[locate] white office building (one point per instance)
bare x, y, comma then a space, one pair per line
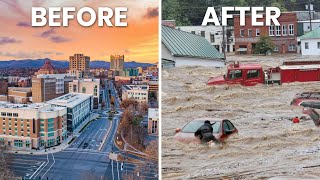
86, 86
137, 92
79, 107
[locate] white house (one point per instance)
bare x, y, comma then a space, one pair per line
310, 43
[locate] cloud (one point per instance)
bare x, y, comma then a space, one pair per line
8, 40
152, 12
59, 53
47, 33
59, 39
24, 24
21, 54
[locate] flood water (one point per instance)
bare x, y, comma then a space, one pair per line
267, 146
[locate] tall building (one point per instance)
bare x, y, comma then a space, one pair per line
79, 107
87, 86
47, 68
32, 126
79, 65
49, 86
19, 95
117, 62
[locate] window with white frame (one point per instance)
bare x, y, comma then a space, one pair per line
318, 45
306, 45
278, 30
292, 47
284, 30
276, 48
291, 29
249, 33
257, 32
241, 32
271, 30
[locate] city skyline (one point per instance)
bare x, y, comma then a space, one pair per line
138, 41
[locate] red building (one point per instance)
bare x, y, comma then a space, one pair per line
284, 37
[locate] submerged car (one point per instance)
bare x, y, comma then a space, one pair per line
313, 115
307, 99
222, 129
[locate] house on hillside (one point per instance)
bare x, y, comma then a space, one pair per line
310, 43
180, 48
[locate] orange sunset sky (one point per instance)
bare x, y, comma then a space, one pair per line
138, 41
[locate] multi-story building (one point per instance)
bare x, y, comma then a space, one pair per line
32, 126
19, 95
140, 70
214, 35
79, 107
87, 86
48, 86
284, 37
131, 72
79, 65
4, 86
137, 92
47, 68
116, 62
153, 89
153, 118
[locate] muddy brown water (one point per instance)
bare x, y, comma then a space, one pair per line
268, 145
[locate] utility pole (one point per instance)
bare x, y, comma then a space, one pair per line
310, 8
223, 34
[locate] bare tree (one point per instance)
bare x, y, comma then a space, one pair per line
5, 158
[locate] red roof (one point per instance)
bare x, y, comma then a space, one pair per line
47, 66
245, 66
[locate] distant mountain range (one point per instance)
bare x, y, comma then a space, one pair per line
38, 63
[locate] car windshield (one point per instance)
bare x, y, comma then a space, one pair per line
193, 126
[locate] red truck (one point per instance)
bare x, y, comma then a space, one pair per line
253, 74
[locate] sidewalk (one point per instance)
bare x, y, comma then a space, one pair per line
60, 147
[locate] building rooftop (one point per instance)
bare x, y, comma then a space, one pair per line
47, 66
43, 107
153, 113
53, 75
136, 87
69, 100
20, 89
315, 34
185, 44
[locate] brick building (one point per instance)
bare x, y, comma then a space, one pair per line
284, 37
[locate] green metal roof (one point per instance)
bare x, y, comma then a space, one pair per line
315, 34
182, 43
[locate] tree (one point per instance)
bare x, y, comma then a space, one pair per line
5, 158
263, 45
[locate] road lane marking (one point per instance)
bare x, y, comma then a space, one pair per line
112, 169
54, 161
118, 170
36, 170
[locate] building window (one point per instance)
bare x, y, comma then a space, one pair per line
284, 30
203, 34
292, 47
291, 29
306, 45
271, 30
83, 89
318, 45
242, 32
3, 114
249, 33
212, 38
278, 30
193, 32
257, 32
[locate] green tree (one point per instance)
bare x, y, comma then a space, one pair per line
264, 45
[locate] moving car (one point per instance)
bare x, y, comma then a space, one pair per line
222, 129
307, 99
313, 114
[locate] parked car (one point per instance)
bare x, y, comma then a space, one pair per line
222, 129
313, 115
307, 99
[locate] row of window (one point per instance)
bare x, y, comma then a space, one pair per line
306, 45
9, 114
283, 30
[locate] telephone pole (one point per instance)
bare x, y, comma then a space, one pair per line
310, 8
